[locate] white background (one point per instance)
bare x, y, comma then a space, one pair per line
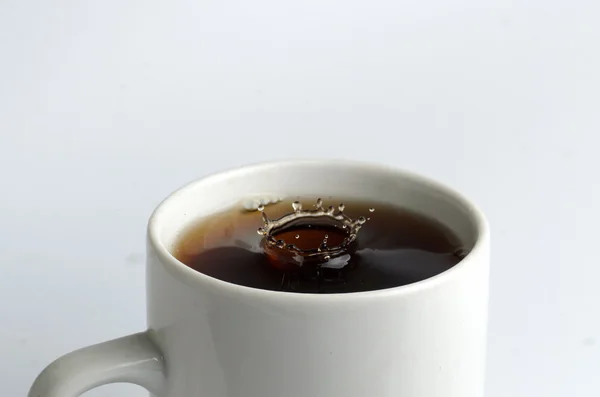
108, 106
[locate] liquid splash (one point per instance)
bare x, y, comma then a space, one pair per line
332, 217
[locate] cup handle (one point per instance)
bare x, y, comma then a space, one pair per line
132, 359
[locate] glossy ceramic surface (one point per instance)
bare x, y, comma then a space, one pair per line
209, 338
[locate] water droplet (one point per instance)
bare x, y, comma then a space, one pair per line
261, 231
260, 207
341, 207
297, 236
330, 209
326, 236
361, 220
327, 258
368, 219
319, 203
460, 253
297, 206
280, 243
371, 209
344, 226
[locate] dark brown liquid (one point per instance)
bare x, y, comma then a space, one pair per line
394, 247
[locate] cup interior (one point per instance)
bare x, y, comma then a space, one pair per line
349, 180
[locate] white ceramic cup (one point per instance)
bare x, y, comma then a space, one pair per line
210, 338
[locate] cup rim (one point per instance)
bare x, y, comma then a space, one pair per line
199, 280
